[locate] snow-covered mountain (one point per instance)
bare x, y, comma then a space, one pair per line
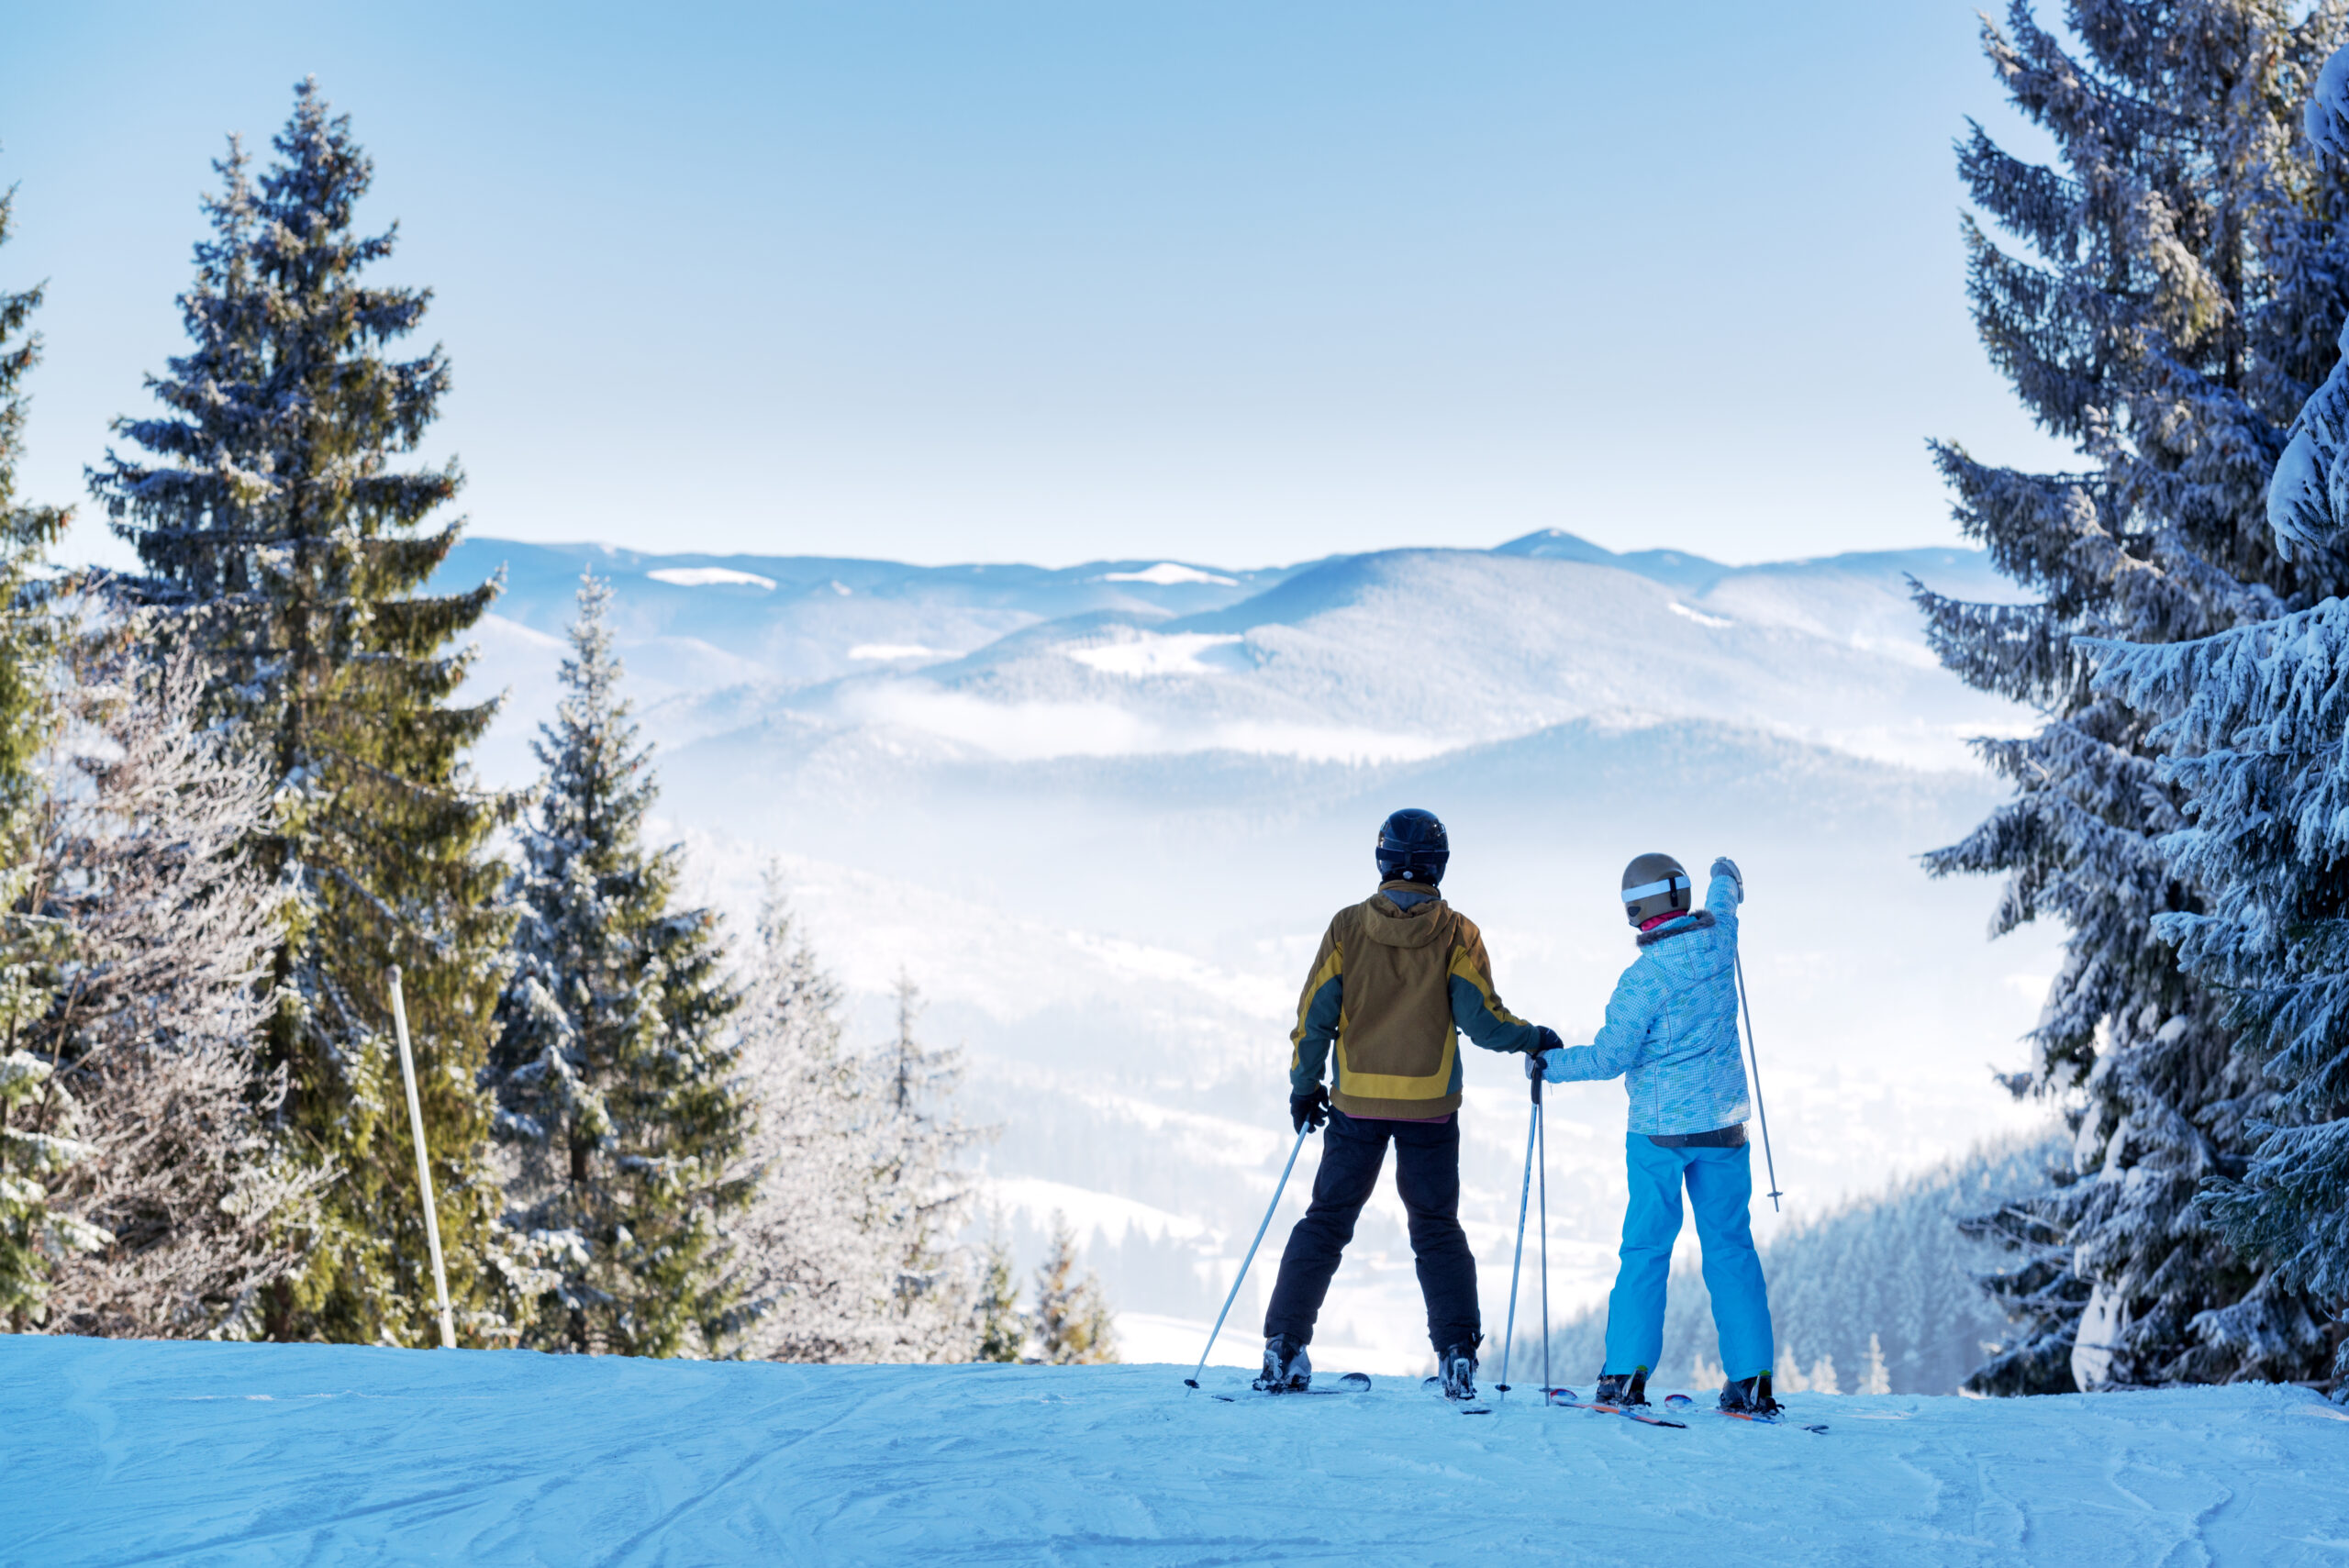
1101, 814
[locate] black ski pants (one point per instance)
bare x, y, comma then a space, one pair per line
1427, 1173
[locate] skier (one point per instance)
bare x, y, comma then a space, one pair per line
1395, 978
1671, 1033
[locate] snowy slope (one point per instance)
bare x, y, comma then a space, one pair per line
123, 1452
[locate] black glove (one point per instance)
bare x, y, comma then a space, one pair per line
1545, 1041
1724, 866
1313, 1108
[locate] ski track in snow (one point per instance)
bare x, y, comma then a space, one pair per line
121, 1453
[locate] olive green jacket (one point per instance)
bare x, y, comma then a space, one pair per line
1391, 990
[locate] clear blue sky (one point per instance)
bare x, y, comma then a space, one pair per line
997, 280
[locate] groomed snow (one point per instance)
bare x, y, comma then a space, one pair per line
122, 1452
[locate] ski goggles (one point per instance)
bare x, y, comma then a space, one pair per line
1649, 890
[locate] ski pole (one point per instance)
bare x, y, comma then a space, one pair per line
1193, 1381
1762, 1111
1543, 1141
1516, 1260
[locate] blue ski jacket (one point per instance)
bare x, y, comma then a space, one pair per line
1671, 1030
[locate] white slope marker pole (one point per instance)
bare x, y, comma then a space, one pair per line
1193, 1381
423, 1167
1771, 1164
1517, 1260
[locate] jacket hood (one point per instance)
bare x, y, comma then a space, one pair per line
1689, 949
1412, 927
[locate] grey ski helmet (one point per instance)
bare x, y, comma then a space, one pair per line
1653, 886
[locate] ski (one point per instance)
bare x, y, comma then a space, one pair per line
1682, 1401
1465, 1406
1352, 1383
1567, 1397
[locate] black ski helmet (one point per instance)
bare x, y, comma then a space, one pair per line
1412, 847
1653, 886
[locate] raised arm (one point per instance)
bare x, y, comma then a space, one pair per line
1724, 893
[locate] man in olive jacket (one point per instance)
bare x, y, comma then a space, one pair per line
1397, 979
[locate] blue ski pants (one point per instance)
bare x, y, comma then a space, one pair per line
1720, 1185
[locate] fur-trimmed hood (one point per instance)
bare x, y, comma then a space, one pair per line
1679, 926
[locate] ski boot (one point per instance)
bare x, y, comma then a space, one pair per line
1750, 1397
1625, 1390
1287, 1369
1459, 1366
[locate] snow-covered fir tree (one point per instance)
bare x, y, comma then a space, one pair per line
2254, 719
616, 1063
810, 1284
2257, 715
846, 1252
282, 537
1876, 1378
918, 1195
33, 1233
2178, 277
1001, 1330
1073, 1319
152, 1024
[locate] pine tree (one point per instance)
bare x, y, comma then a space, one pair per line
918, 1193
616, 1064
808, 1281
2258, 715
33, 1233
1075, 1326
2254, 718
1875, 1376
1001, 1331
281, 539
152, 1027
2181, 278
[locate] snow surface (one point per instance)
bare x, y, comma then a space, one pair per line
121, 1453
711, 577
894, 651
1165, 575
1147, 654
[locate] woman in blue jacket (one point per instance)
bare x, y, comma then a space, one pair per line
1671, 1035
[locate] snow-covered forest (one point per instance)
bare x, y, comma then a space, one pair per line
243, 782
